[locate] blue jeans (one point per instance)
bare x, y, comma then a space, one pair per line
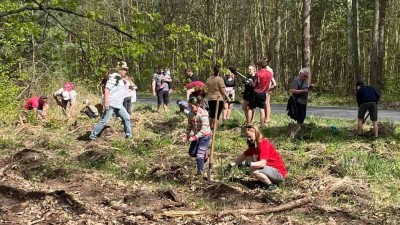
107, 114
198, 149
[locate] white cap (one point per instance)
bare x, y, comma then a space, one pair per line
65, 95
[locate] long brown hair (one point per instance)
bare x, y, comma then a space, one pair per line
259, 135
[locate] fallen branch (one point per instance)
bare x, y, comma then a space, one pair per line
184, 213
291, 205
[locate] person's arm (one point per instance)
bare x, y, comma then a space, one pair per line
259, 164
221, 87
106, 99
205, 124
358, 95
272, 84
240, 159
153, 87
294, 88
188, 93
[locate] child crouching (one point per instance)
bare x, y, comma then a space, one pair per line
199, 124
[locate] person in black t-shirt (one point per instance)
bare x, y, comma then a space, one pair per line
230, 86
191, 76
248, 92
367, 100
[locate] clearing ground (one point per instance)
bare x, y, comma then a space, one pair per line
51, 174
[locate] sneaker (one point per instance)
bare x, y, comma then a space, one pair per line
128, 136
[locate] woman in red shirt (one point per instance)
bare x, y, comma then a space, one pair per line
263, 160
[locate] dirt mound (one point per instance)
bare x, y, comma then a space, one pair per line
29, 162
95, 158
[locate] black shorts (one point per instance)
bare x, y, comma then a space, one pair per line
248, 96
258, 100
163, 97
213, 106
64, 103
371, 107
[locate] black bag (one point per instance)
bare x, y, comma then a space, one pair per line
291, 108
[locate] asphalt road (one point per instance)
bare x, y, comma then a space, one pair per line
327, 112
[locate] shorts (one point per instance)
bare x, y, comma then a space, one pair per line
258, 100
231, 95
213, 106
248, 96
273, 174
163, 97
371, 107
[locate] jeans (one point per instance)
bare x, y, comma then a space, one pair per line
107, 114
198, 149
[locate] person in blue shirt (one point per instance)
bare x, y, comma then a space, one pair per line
367, 100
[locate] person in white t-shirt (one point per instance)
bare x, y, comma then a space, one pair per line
66, 96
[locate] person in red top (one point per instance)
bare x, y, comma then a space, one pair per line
37, 104
264, 161
261, 89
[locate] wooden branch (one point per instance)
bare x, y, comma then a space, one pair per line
41, 7
184, 213
284, 207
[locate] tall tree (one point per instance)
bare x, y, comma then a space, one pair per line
374, 41
355, 40
350, 52
382, 51
306, 61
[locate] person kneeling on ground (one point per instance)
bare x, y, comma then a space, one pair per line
367, 100
90, 110
198, 123
66, 96
39, 105
264, 161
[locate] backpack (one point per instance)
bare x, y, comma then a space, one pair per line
291, 108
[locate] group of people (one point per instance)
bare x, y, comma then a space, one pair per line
261, 157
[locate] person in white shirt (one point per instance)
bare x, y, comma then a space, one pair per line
66, 96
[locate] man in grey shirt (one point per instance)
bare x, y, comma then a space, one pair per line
299, 89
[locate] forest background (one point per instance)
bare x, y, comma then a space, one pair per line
45, 43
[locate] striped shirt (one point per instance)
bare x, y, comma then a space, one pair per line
199, 124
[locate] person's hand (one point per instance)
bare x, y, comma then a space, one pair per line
154, 93
184, 137
228, 99
193, 138
228, 169
244, 164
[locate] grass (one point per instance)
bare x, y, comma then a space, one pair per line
321, 144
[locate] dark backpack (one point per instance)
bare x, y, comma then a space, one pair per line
291, 108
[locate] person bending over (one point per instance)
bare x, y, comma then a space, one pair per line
39, 105
367, 100
66, 96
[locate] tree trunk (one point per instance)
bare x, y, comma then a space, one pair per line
306, 35
350, 51
374, 50
381, 53
277, 45
355, 41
